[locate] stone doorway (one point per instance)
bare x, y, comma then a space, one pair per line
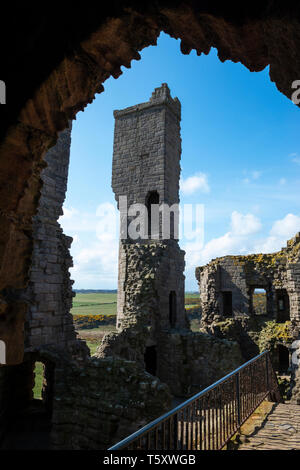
227, 303
150, 359
283, 359
283, 306
31, 387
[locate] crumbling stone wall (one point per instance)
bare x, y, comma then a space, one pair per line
277, 273
62, 75
191, 361
147, 149
104, 401
49, 293
90, 402
240, 275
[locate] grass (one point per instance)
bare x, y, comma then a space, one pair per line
106, 304
38, 380
95, 304
92, 345
94, 336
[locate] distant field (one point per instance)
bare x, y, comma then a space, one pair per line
95, 304
106, 303
194, 295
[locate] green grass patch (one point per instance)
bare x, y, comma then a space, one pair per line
95, 304
38, 380
92, 345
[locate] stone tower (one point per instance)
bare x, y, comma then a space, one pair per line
152, 325
146, 171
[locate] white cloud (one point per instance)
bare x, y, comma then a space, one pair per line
103, 221
68, 213
197, 182
244, 224
95, 251
286, 227
282, 181
96, 265
242, 238
235, 241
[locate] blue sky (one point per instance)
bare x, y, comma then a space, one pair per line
240, 160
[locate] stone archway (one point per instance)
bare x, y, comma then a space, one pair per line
64, 61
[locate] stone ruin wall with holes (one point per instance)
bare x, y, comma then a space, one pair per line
96, 401
103, 402
89, 396
49, 293
241, 275
147, 149
188, 361
65, 83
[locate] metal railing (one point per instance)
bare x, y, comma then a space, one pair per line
209, 419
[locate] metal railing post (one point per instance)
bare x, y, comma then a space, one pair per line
238, 396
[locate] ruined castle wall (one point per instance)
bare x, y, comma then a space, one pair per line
190, 361
152, 270
101, 403
147, 148
49, 294
293, 283
186, 361
242, 274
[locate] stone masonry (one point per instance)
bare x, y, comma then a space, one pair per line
152, 326
49, 293
277, 273
226, 287
89, 403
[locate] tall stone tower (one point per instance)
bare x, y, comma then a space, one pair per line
146, 170
152, 326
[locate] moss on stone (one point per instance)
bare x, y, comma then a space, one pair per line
273, 333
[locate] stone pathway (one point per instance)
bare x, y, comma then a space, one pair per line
279, 431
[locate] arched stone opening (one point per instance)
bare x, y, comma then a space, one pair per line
283, 306
29, 410
92, 45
